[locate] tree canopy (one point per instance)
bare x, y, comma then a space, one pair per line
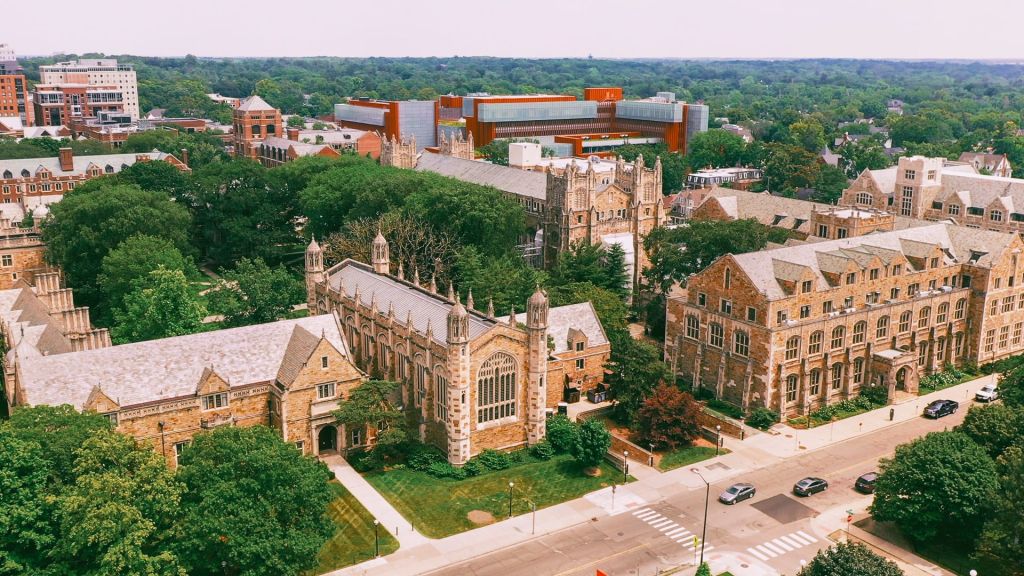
254, 293
160, 305
846, 558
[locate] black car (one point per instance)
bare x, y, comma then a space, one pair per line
941, 408
737, 493
866, 483
809, 485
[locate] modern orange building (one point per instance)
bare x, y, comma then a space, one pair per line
400, 119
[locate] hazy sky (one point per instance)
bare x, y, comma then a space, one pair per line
529, 28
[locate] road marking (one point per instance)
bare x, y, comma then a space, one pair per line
766, 551
660, 523
640, 511
805, 535
803, 541
669, 527
645, 513
757, 555
686, 536
788, 540
778, 542
774, 548
676, 531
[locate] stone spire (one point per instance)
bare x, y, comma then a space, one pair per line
381, 254
490, 308
451, 291
416, 275
458, 323
512, 317
537, 310
401, 271
469, 299
433, 284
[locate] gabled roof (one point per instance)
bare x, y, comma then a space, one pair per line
572, 318
157, 370
80, 164
524, 183
255, 104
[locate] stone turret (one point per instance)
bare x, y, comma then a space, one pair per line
458, 147
400, 153
457, 421
314, 273
537, 336
380, 255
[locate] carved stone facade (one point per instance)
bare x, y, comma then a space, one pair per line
471, 381
458, 147
399, 153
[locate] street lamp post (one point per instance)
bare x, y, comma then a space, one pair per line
533, 512
652, 455
511, 485
718, 439
707, 496
625, 465
376, 538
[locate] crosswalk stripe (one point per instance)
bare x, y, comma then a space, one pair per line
766, 551
791, 542
684, 536
669, 527
800, 539
809, 537
774, 548
642, 512
653, 519
757, 554
647, 514
676, 531
660, 523
782, 545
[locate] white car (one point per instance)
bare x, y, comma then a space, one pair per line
988, 393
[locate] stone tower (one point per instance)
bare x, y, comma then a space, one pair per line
457, 422
380, 256
458, 147
314, 274
398, 153
537, 335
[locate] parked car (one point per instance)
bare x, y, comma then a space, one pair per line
866, 483
809, 485
941, 408
737, 493
988, 393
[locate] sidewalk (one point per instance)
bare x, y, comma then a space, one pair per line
421, 555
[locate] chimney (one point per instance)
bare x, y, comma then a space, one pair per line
184, 156
66, 162
293, 134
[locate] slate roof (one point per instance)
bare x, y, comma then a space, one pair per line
143, 372
34, 331
423, 306
562, 319
254, 104
80, 164
511, 180
765, 267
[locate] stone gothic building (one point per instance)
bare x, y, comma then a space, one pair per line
400, 153
470, 381
458, 147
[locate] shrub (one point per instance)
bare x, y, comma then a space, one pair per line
446, 470
876, 394
561, 433
494, 459
727, 408
592, 443
518, 456
762, 418
542, 451
472, 468
704, 570
421, 457
363, 461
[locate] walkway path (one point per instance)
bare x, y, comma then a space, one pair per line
420, 555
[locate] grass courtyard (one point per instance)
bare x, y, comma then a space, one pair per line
686, 455
441, 507
353, 541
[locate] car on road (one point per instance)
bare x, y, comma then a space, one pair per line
941, 408
988, 393
809, 485
866, 483
737, 493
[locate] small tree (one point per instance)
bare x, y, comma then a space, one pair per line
668, 417
161, 305
592, 442
562, 433
370, 404
704, 570
296, 121
254, 293
636, 368
845, 559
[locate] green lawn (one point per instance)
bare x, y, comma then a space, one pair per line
439, 508
687, 455
801, 421
353, 542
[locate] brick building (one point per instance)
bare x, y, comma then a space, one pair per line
105, 74
470, 380
22, 252
255, 120
63, 104
35, 182
288, 375
14, 98
274, 151
799, 327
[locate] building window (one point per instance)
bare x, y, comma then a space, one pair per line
822, 231
913, 289
751, 314
441, 396
579, 346
716, 336
995, 215
838, 337
791, 388
931, 174
792, 347
581, 363
806, 286
960, 309
1008, 303
993, 307
858, 370
953, 209
781, 316
702, 299
894, 294
384, 356
403, 367
904, 325
741, 343
924, 316
990, 337
858, 332
728, 279
726, 306
940, 347
422, 375
357, 437
882, 327
837, 376
7, 260
897, 269
975, 211
325, 390
864, 198
496, 388
692, 327
940, 316
324, 362
815, 381
815, 344
909, 174
1004, 336
805, 311
179, 449
906, 206
851, 278
826, 307
922, 353
873, 274
214, 401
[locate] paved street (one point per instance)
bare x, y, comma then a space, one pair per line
652, 523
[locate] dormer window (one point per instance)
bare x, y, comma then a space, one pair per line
214, 401
579, 346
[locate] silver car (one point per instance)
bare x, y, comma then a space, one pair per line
737, 493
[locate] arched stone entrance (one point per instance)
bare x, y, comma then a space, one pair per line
901, 379
327, 439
